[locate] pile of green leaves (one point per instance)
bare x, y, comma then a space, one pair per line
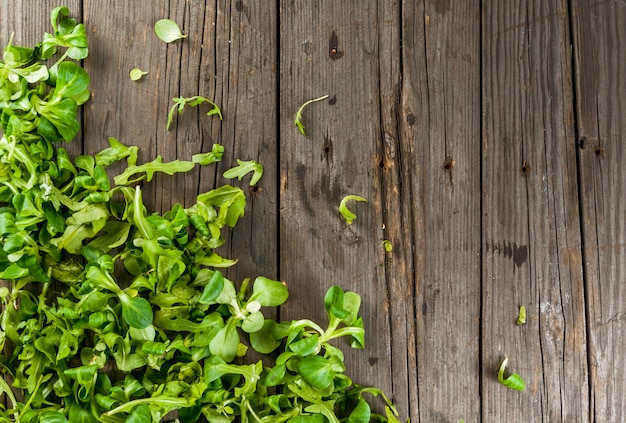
114, 314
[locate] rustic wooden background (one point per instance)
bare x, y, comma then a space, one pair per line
486, 136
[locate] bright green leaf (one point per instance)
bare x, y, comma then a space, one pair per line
269, 293
316, 371
226, 342
181, 102
212, 289
343, 208
253, 322
521, 319
52, 417
514, 381
168, 31
140, 414
137, 311
134, 173
136, 74
361, 413
243, 168
298, 119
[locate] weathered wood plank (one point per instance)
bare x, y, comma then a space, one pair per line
395, 179
600, 54
532, 252
440, 118
332, 48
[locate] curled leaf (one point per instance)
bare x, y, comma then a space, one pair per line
514, 381
298, 119
343, 208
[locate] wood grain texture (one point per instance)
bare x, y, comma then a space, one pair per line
599, 54
440, 118
394, 179
332, 48
532, 252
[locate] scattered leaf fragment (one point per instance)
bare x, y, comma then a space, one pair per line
521, 319
168, 31
181, 102
298, 119
136, 74
343, 208
215, 155
243, 168
514, 381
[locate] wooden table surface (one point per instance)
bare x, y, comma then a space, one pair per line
485, 135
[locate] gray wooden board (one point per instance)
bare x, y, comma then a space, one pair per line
599, 57
440, 118
532, 252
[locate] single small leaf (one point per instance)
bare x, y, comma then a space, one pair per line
243, 168
226, 342
136, 311
343, 208
275, 375
316, 371
269, 293
136, 74
269, 337
514, 381
388, 246
253, 322
334, 303
168, 31
521, 319
212, 289
298, 119
306, 346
